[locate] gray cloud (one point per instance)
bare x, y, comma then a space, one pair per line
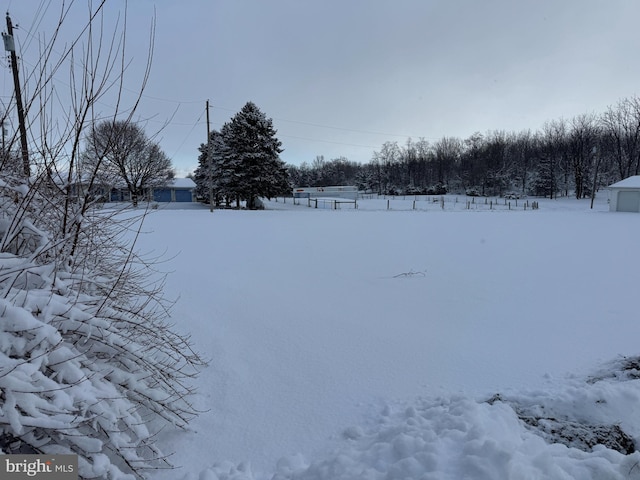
340, 77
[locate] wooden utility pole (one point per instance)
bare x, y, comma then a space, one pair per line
9, 45
596, 160
208, 123
209, 178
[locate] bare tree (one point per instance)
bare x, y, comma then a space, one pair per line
621, 128
120, 154
583, 138
447, 156
522, 148
384, 160
551, 147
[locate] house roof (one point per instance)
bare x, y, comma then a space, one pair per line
181, 183
629, 182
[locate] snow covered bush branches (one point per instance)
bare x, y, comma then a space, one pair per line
89, 364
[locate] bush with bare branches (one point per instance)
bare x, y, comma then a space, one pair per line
89, 363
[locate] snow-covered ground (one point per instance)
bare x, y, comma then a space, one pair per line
366, 343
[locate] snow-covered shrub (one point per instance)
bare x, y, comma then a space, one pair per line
88, 363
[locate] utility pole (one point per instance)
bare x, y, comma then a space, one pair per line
208, 124
9, 45
596, 160
209, 177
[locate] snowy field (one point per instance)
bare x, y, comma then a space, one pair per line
366, 343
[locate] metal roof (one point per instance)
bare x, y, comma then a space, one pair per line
629, 182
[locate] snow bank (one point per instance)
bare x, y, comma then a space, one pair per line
454, 437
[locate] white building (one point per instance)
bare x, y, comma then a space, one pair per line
337, 191
625, 195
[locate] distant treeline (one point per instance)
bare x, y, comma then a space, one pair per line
565, 157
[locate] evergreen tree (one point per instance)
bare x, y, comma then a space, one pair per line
252, 161
544, 183
214, 176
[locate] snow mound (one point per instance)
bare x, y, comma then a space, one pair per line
583, 428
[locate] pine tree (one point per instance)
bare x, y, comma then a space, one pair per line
544, 183
252, 160
214, 175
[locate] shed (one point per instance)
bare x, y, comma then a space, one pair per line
625, 195
176, 190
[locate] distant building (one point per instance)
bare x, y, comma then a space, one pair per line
338, 191
176, 190
625, 195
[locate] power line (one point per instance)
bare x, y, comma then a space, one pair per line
44, 7
343, 129
188, 134
299, 122
41, 13
167, 100
331, 127
179, 103
327, 141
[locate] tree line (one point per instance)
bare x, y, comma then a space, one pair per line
565, 157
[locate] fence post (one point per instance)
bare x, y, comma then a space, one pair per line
387, 204
414, 205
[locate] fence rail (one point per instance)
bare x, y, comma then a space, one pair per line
419, 202
331, 203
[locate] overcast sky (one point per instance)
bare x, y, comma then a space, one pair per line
341, 77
